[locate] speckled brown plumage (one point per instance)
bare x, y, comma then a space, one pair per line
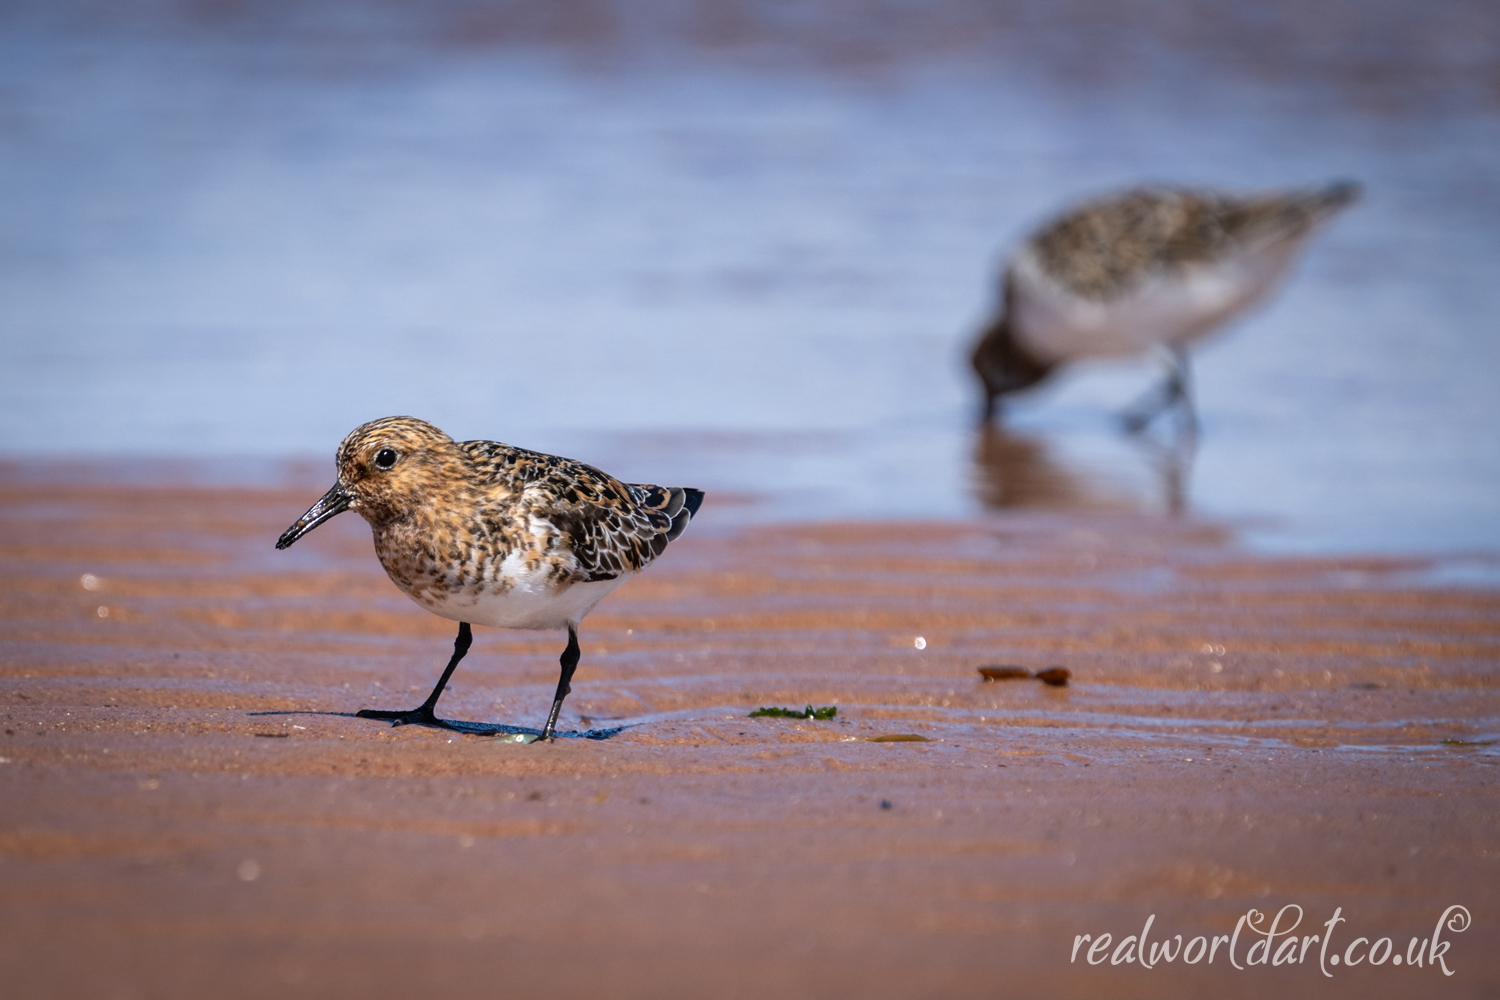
1104, 247
481, 532
1149, 269
450, 514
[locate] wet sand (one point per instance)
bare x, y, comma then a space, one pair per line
190, 810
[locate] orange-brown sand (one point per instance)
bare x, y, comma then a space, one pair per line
189, 810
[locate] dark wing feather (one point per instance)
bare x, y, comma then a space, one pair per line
611, 537
678, 503
610, 527
1284, 216
1102, 248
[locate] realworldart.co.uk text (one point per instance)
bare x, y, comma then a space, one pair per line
1274, 942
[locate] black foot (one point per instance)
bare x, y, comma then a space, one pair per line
416, 717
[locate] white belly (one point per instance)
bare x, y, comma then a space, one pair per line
532, 601
1176, 308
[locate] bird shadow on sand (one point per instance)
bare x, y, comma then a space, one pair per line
476, 728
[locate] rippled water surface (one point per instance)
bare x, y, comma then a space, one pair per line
693, 257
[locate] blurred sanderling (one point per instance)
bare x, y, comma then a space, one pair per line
478, 531
1153, 268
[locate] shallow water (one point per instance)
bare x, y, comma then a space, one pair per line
239, 235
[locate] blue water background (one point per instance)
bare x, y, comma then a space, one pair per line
737, 257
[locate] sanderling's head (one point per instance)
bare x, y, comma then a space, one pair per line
385, 467
1002, 364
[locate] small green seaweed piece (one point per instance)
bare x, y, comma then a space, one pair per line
896, 738
1470, 743
517, 738
826, 712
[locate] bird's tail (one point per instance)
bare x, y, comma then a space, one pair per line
678, 503
1288, 215
1333, 197
687, 500
1302, 209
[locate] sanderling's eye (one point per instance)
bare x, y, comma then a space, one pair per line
384, 459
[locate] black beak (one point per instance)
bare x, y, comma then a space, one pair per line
335, 501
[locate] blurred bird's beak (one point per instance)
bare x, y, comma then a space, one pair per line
335, 501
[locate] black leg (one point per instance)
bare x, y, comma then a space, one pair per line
1175, 389
1144, 410
1182, 376
569, 663
424, 714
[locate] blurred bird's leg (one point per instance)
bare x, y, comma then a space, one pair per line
1181, 380
991, 411
424, 714
1174, 390
569, 663
1159, 397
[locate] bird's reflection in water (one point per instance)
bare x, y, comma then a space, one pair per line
1016, 471
1171, 459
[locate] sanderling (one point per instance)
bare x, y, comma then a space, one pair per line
1148, 269
478, 531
